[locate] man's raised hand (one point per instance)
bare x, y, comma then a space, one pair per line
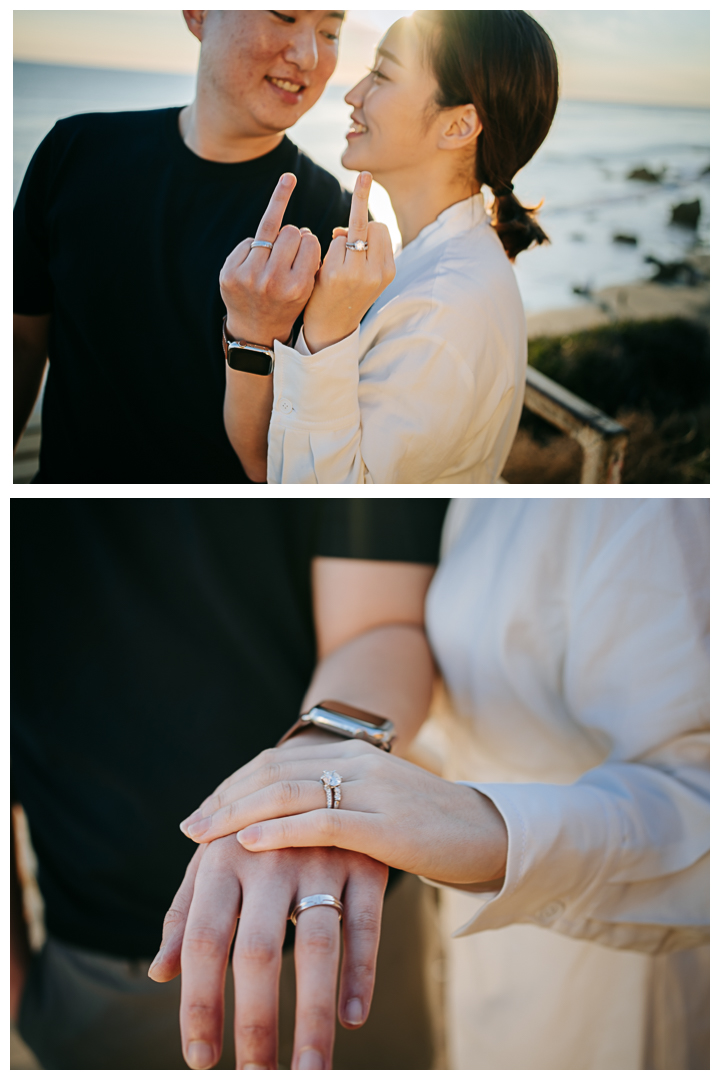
265, 289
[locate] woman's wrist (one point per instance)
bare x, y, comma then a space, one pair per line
319, 338
493, 840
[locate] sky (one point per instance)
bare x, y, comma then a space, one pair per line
646, 57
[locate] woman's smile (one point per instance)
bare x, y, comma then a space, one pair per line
356, 129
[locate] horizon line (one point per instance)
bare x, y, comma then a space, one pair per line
190, 75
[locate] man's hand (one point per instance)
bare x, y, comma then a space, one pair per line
264, 290
198, 931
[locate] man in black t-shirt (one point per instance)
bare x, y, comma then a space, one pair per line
122, 226
157, 646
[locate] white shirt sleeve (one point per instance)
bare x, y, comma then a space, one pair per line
314, 435
621, 857
405, 427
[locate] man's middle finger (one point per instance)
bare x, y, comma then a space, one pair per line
257, 959
271, 220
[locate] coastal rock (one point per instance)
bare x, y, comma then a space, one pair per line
647, 175
687, 214
625, 238
682, 273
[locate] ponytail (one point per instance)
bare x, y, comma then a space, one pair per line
516, 224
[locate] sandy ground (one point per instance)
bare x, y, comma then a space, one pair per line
643, 300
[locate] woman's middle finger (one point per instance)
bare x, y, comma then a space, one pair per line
358, 225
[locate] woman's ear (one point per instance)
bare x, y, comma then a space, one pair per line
462, 126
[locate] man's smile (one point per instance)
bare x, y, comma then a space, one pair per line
286, 85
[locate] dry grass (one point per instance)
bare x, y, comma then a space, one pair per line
653, 377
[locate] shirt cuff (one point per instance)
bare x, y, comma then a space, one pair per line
558, 839
319, 390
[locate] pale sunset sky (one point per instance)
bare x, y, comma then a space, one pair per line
657, 57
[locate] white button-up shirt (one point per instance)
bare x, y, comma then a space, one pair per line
429, 389
572, 636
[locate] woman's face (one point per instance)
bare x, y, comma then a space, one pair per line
392, 124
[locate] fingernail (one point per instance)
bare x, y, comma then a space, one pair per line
251, 835
311, 1059
305, 231
354, 1011
156, 960
200, 1055
286, 179
198, 829
195, 816
251, 1065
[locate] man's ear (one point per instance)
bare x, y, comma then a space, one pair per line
462, 127
195, 21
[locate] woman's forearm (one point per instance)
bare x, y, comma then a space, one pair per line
246, 412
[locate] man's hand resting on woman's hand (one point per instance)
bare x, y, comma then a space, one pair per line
198, 931
391, 810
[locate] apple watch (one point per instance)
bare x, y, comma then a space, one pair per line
245, 356
347, 722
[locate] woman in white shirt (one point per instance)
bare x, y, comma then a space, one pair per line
572, 638
428, 387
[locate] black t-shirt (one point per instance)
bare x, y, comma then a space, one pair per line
121, 232
158, 645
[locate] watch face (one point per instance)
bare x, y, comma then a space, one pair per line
247, 358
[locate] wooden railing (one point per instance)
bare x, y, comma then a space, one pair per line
602, 439
25, 462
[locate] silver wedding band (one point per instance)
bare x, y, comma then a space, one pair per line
261, 243
357, 245
319, 900
332, 781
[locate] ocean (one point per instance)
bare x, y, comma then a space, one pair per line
580, 173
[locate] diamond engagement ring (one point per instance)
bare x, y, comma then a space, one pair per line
318, 900
331, 781
357, 245
261, 243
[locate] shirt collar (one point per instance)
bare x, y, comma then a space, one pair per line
456, 219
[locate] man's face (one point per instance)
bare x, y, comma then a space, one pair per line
267, 68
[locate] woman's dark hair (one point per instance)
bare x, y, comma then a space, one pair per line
504, 64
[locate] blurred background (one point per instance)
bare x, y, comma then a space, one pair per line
623, 177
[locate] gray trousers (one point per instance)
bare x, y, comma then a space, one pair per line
83, 1010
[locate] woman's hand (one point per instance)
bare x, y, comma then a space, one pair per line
391, 810
349, 282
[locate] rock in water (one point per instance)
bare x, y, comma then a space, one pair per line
687, 214
646, 175
625, 238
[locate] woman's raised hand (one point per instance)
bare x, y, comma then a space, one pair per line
390, 809
349, 281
